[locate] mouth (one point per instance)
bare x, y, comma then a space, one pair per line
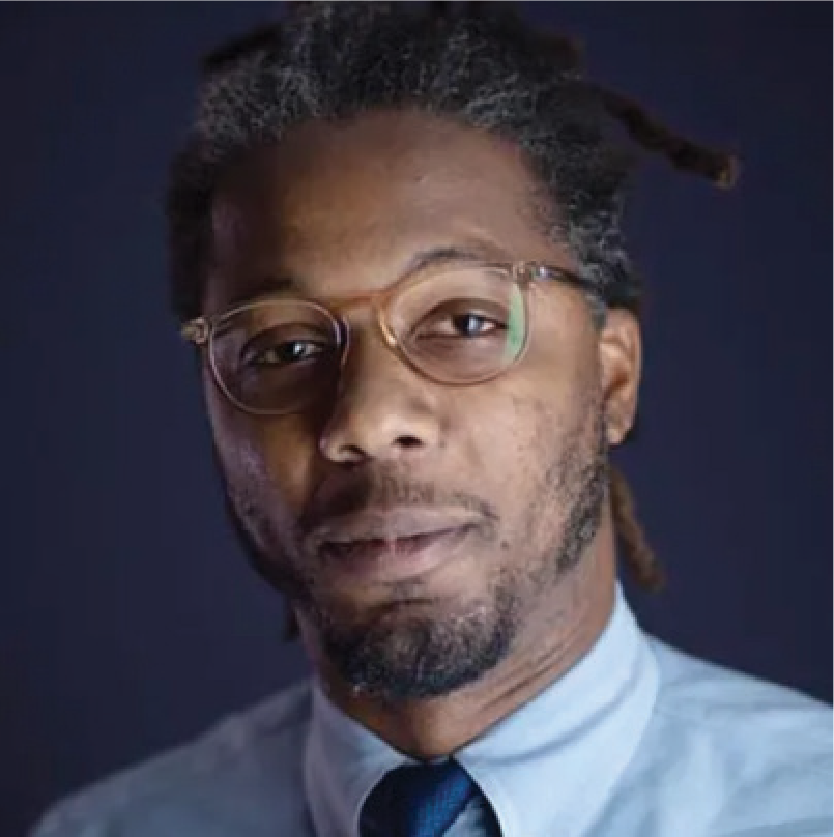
390, 547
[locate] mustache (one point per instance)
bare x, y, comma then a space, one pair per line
381, 490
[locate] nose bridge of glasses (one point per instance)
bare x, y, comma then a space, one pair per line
372, 304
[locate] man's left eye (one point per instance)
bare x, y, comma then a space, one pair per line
472, 325
461, 325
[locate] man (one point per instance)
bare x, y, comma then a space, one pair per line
396, 245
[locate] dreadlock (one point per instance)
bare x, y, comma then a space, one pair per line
478, 63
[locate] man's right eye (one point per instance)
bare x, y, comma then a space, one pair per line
283, 354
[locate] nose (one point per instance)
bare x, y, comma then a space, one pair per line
383, 410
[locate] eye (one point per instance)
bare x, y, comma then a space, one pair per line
283, 354
472, 325
461, 324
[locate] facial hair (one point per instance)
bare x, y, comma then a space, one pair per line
434, 654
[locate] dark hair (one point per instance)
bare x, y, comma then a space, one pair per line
474, 62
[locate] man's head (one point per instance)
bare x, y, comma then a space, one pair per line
419, 528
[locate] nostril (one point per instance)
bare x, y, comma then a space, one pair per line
409, 442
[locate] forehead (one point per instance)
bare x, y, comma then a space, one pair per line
341, 207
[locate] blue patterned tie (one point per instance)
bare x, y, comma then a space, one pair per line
417, 801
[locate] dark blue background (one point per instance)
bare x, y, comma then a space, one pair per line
128, 620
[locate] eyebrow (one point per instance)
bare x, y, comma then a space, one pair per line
264, 286
477, 253
473, 253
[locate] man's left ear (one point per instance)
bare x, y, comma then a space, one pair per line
620, 359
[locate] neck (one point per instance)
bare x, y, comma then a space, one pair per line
549, 644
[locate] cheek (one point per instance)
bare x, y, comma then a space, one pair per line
267, 457
510, 440
525, 433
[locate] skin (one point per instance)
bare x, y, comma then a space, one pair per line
343, 208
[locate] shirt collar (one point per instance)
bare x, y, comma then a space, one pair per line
580, 732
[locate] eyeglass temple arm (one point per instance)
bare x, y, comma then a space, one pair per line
567, 277
536, 270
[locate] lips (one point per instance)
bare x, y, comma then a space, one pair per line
382, 547
390, 545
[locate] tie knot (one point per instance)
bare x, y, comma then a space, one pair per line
418, 800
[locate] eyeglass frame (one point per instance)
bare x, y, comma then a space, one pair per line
201, 330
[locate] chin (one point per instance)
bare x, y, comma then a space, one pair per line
417, 648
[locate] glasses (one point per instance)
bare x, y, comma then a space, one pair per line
458, 326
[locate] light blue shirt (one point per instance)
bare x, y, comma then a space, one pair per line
636, 740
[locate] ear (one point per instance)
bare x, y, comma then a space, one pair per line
620, 359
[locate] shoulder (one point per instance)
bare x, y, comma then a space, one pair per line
242, 776
719, 701
756, 755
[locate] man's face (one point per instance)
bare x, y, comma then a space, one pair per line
505, 479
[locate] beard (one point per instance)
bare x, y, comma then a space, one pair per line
395, 657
